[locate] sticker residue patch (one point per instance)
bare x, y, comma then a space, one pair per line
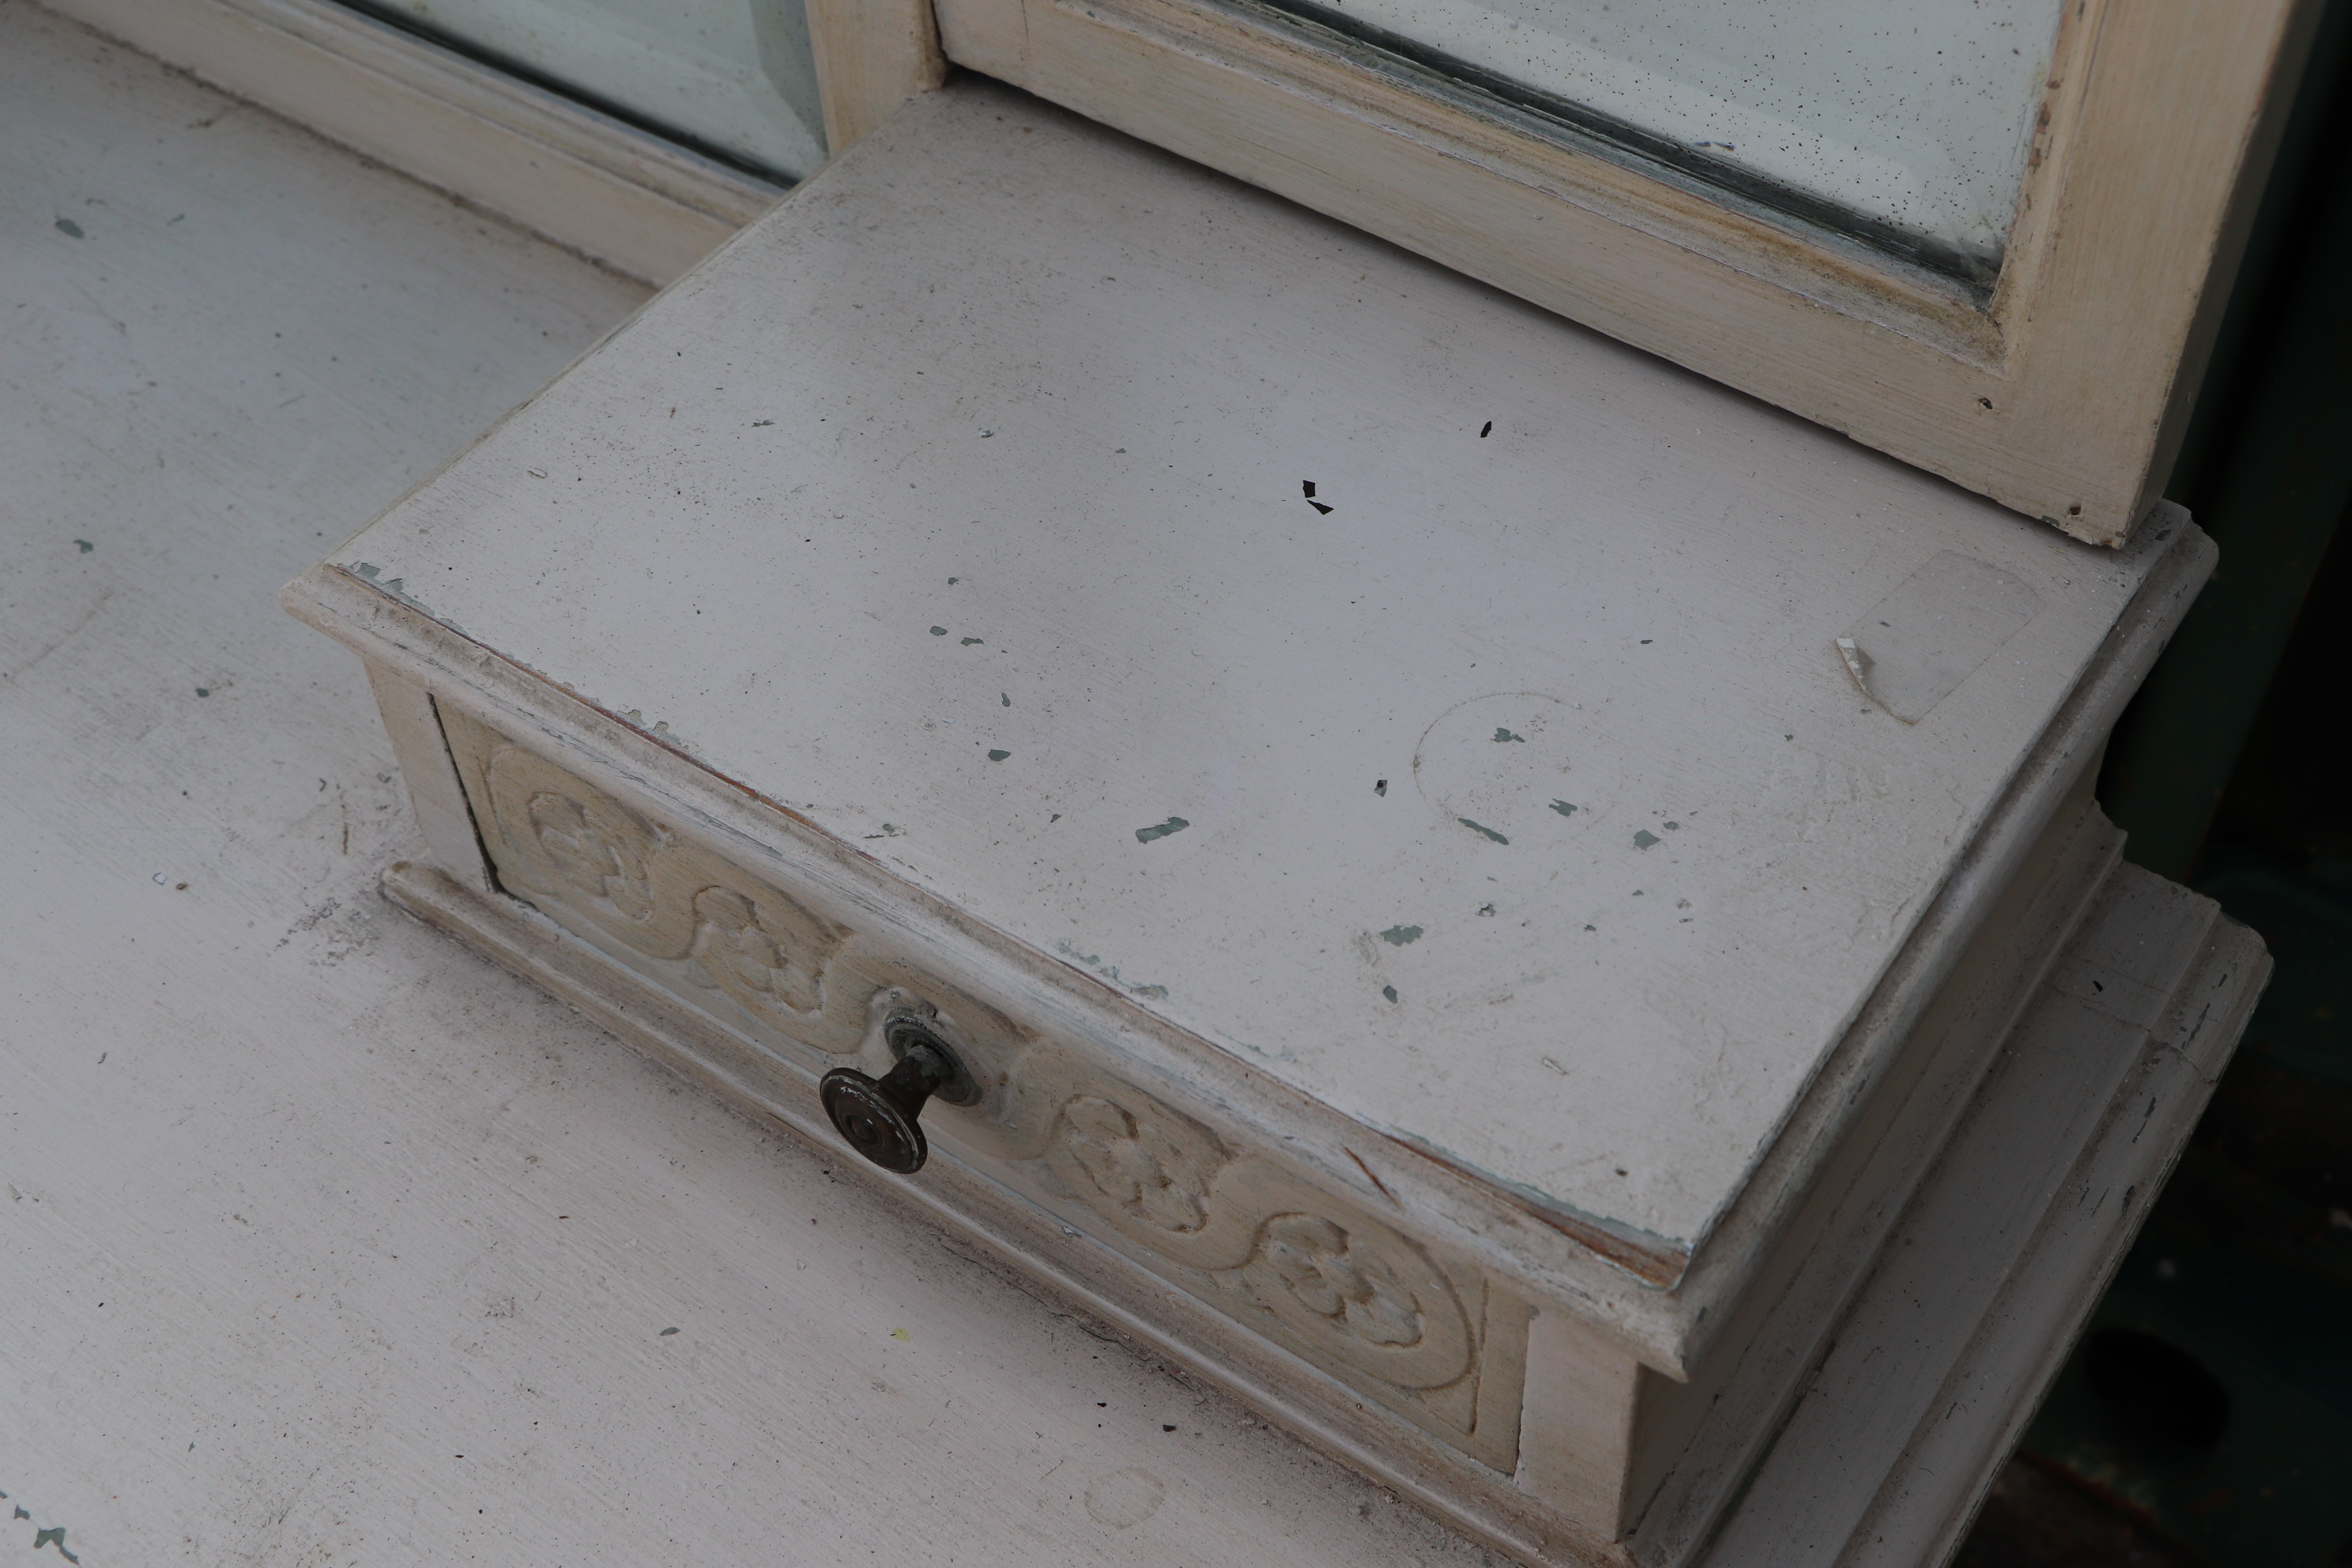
1914, 648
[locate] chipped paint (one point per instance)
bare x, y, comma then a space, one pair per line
1111, 972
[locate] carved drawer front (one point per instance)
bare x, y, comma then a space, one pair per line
1430, 1340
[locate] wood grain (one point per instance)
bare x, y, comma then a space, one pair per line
872, 57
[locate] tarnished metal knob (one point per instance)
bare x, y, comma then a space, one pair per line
879, 1116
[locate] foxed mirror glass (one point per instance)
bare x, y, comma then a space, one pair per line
1905, 123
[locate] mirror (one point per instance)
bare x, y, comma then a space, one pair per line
1905, 125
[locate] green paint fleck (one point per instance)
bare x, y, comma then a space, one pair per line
1592, 928
1397, 936
1501, 734
1055, 817
756, 423
953, 581
1173, 824
1481, 827
970, 641
1006, 698
1562, 807
203, 691
1670, 827
71, 230
54, 1537
86, 545
939, 631
1644, 838
1155, 993
998, 756
1389, 992
664, 1333
366, 571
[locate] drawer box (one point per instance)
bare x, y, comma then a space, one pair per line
1472, 876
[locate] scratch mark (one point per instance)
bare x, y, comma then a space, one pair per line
63, 637
1369, 1175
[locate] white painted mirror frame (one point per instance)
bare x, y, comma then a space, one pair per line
2063, 397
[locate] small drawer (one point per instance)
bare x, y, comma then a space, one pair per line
1428, 1339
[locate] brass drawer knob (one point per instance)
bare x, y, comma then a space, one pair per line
879, 1116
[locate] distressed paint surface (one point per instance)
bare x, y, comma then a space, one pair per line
322, 1239
1082, 380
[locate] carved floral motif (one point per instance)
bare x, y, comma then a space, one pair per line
1349, 1287
1309, 1259
766, 952
1366, 1296
1137, 1166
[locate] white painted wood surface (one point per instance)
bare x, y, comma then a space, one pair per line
1048, 596
301, 1200
583, 179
